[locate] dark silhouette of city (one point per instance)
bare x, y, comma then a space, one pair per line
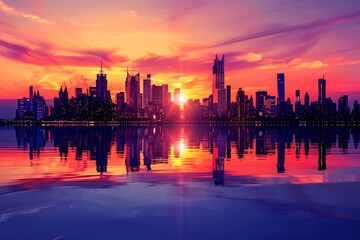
155, 105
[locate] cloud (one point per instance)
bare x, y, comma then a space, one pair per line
174, 64
286, 29
43, 56
250, 57
301, 63
9, 10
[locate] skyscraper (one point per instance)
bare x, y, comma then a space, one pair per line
228, 100
132, 91
218, 88
147, 91
260, 100
101, 84
157, 93
241, 104
297, 96
322, 90
166, 99
343, 104
306, 99
78, 92
120, 100
31, 95
281, 87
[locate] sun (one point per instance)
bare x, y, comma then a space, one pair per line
182, 99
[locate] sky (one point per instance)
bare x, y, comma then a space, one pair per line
53, 43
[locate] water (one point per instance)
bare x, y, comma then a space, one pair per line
179, 182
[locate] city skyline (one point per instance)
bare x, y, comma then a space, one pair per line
155, 103
48, 45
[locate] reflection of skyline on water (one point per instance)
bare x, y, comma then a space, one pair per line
140, 148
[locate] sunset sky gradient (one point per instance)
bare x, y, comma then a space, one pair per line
53, 43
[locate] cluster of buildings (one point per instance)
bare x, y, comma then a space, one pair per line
155, 104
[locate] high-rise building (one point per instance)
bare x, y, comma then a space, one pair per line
63, 95
132, 92
157, 93
101, 85
23, 107
92, 91
260, 100
281, 87
221, 105
78, 92
147, 90
241, 104
218, 88
297, 96
31, 95
228, 100
177, 96
270, 106
343, 104
306, 99
321, 90
166, 98
39, 106
120, 100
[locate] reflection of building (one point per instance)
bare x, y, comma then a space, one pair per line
322, 154
219, 153
103, 143
281, 153
132, 151
32, 138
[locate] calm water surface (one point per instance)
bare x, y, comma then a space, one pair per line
179, 182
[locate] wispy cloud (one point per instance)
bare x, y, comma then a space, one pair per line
9, 10
43, 56
287, 29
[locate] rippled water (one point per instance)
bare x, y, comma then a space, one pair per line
185, 177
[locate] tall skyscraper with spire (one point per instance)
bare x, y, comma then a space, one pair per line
218, 88
132, 91
101, 84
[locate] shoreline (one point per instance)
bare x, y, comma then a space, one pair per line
249, 123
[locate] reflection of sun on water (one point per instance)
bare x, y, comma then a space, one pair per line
176, 152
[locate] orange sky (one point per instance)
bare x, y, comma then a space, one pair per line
49, 43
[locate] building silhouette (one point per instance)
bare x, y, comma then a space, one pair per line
260, 102
32, 108
101, 85
241, 104
78, 92
321, 90
147, 98
218, 88
281, 87
132, 92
